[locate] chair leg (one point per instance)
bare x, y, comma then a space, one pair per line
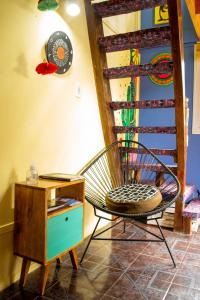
90, 240
166, 243
74, 258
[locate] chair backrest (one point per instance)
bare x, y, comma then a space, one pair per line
127, 162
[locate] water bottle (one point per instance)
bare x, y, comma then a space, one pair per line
32, 176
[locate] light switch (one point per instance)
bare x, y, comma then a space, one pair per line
78, 90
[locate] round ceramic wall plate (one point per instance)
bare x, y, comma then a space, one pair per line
161, 79
59, 51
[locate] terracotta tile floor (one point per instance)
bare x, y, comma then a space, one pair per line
123, 270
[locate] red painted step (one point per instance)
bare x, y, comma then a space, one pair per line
139, 70
152, 37
149, 167
128, 129
141, 104
166, 152
118, 7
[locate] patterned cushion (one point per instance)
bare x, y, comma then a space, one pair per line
133, 198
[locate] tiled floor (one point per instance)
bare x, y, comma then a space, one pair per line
123, 270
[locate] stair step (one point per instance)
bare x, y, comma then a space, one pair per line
139, 70
118, 7
166, 152
152, 37
150, 167
128, 129
165, 103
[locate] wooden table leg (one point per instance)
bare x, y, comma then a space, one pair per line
24, 271
58, 261
44, 276
74, 258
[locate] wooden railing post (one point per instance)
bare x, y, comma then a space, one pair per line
95, 30
175, 15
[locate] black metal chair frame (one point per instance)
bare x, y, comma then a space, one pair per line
171, 192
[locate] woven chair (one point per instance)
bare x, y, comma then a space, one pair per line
127, 164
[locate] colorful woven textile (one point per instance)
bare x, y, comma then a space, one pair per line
190, 192
143, 104
192, 210
124, 129
139, 70
152, 37
115, 7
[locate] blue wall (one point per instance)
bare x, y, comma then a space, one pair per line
167, 117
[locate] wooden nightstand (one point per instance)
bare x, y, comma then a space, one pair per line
43, 236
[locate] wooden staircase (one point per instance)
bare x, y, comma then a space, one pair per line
152, 37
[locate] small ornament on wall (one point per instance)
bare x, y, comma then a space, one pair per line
59, 51
44, 5
46, 68
161, 15
161, 79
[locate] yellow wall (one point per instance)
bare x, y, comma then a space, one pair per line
41, 120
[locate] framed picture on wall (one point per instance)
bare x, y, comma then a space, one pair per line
161, 15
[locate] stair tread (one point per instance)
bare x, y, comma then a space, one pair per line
156, 151
139, 70
152, 167
145, 129
164, 103
152, 37
117, 7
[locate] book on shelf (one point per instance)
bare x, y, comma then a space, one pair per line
62, 202
61, 176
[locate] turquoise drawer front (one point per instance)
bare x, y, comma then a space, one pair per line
64, 231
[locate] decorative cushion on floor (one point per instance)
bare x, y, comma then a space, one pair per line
192, 210
133, 198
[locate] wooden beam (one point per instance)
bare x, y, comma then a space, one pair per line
99, 59
197, 6
95, 30
175, 16
192, 5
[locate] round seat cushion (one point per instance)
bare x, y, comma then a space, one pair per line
133, 198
